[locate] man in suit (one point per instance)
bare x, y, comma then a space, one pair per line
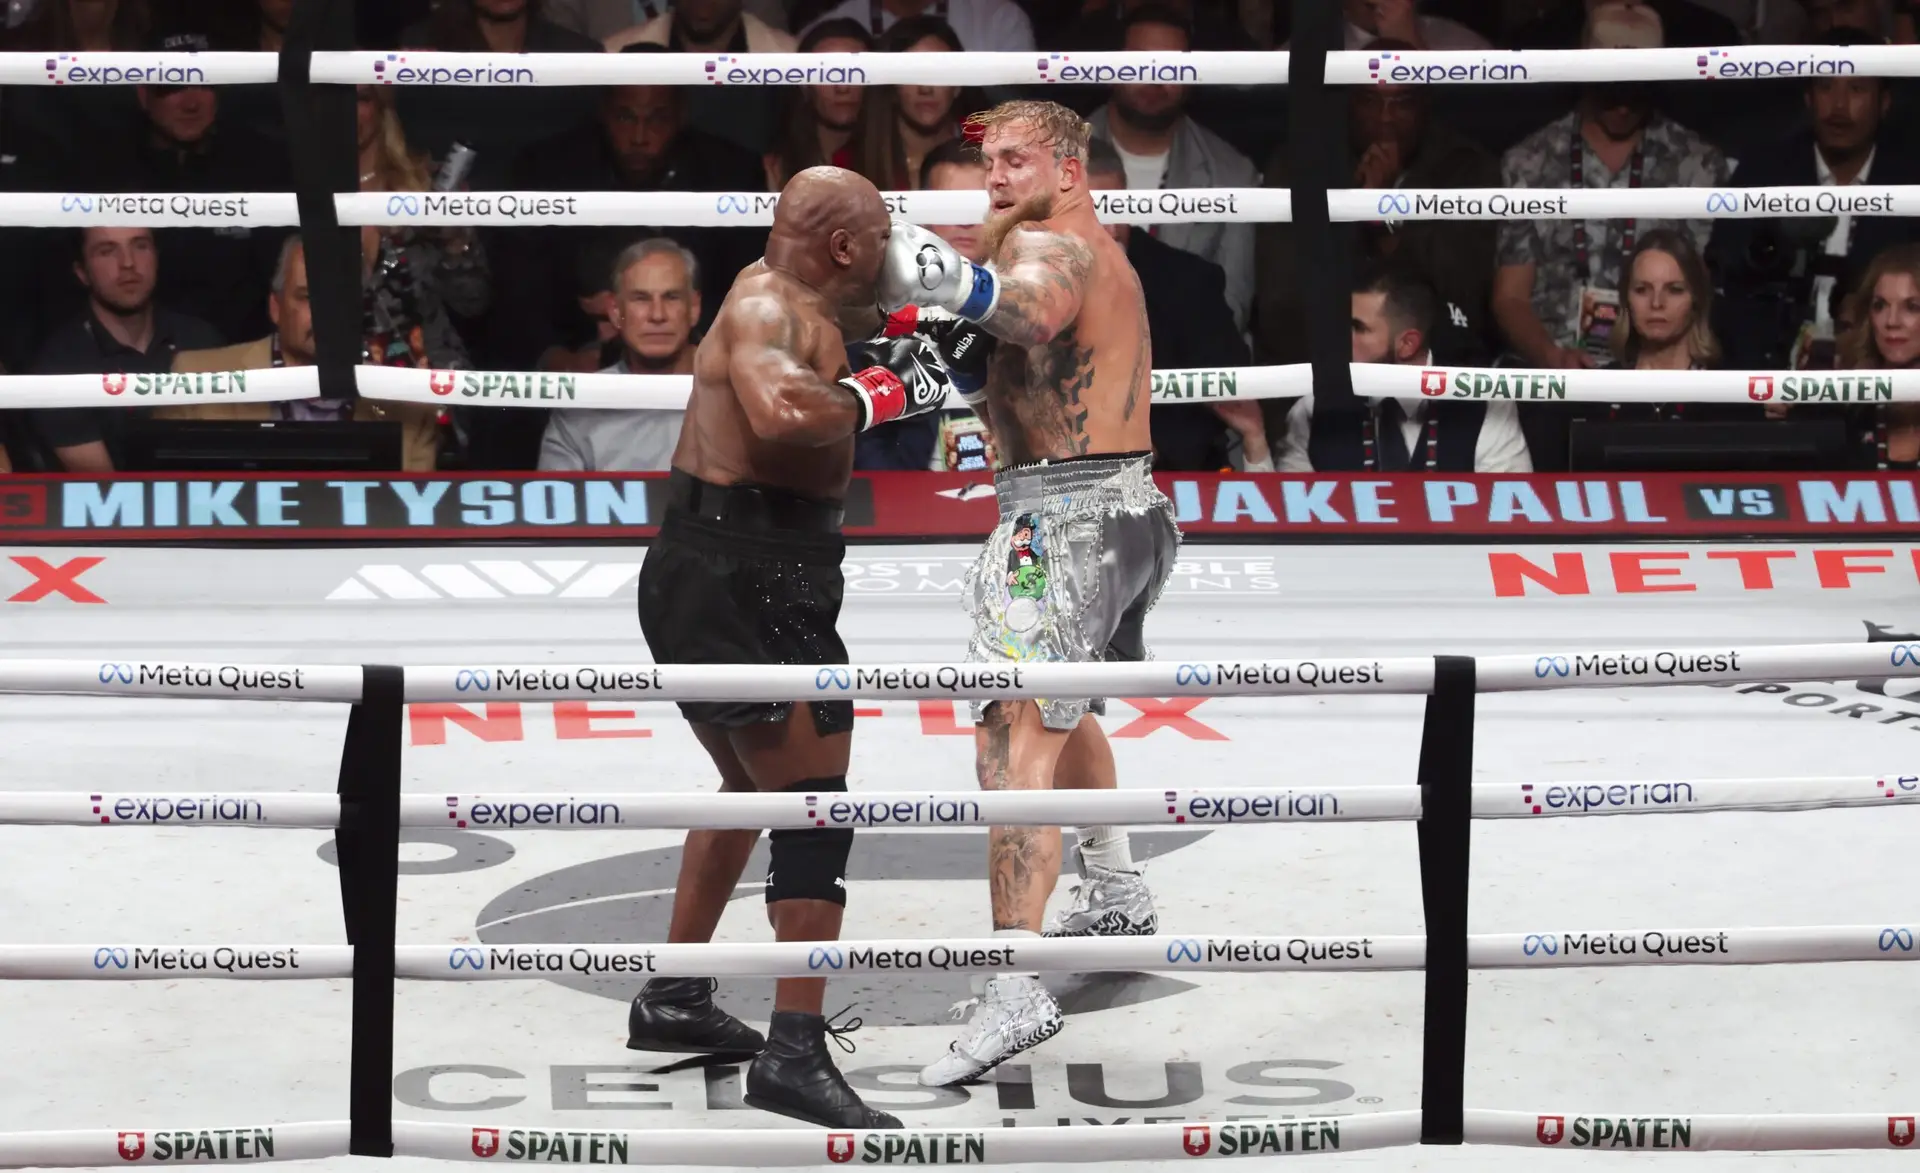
1784, 278
291, 344
1191, 326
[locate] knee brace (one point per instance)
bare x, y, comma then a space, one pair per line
810, 864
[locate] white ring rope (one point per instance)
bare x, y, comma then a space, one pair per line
1199, 385
1405, 675
762, 1148
1208, 953
736, 1147
333, 683
745, 209
1345, 67
1186, 807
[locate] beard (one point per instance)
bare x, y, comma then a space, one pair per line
1000, 224
1153, 121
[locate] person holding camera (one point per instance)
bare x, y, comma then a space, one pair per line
1783, 277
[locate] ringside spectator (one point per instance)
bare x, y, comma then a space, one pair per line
1884, 334
909, 121
1783, 277
985, 26
1191, 327
742, 114
121, 331
1666, 309
822, 124
445, 267
1396, 317
639, 143
1162, 147
1395, 141
656, 302
291, 344
187, 146
961, 442
1559, 25
1401, 20
1554, 290
497, 121
1666, 304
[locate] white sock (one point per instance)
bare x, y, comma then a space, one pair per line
1106, 847
1026, 933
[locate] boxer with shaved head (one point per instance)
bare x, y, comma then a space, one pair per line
746, 570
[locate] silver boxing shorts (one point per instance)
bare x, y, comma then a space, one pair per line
1081, 553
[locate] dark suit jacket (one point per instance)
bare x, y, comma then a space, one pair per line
1191, 326
541, 273
1456, 257
1754, 329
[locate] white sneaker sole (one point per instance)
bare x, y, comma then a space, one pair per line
970, 1076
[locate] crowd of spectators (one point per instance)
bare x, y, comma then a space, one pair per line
1793, 292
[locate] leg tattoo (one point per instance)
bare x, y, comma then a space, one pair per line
1012, 854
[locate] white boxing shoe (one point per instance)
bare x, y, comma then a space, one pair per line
1105, 903
1011, 1016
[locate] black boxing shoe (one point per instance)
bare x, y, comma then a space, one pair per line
678, 1015
795, 1076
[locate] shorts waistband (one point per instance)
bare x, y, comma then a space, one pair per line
751, 508
1026, 485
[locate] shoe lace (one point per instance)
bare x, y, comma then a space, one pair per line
958, 1010
838, 1033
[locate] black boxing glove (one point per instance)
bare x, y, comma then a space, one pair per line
964, 348
896, 378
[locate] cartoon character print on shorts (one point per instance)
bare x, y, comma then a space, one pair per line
1026, 582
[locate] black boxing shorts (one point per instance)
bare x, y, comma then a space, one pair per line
746, 574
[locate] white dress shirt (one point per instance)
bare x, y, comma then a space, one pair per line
1839, 238
1501, 446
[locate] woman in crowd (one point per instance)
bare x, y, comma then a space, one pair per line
415, 277
1884, 335
1666, 303
912, 120
1666, 299
822, 124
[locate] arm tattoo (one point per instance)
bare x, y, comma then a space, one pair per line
1042, 277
